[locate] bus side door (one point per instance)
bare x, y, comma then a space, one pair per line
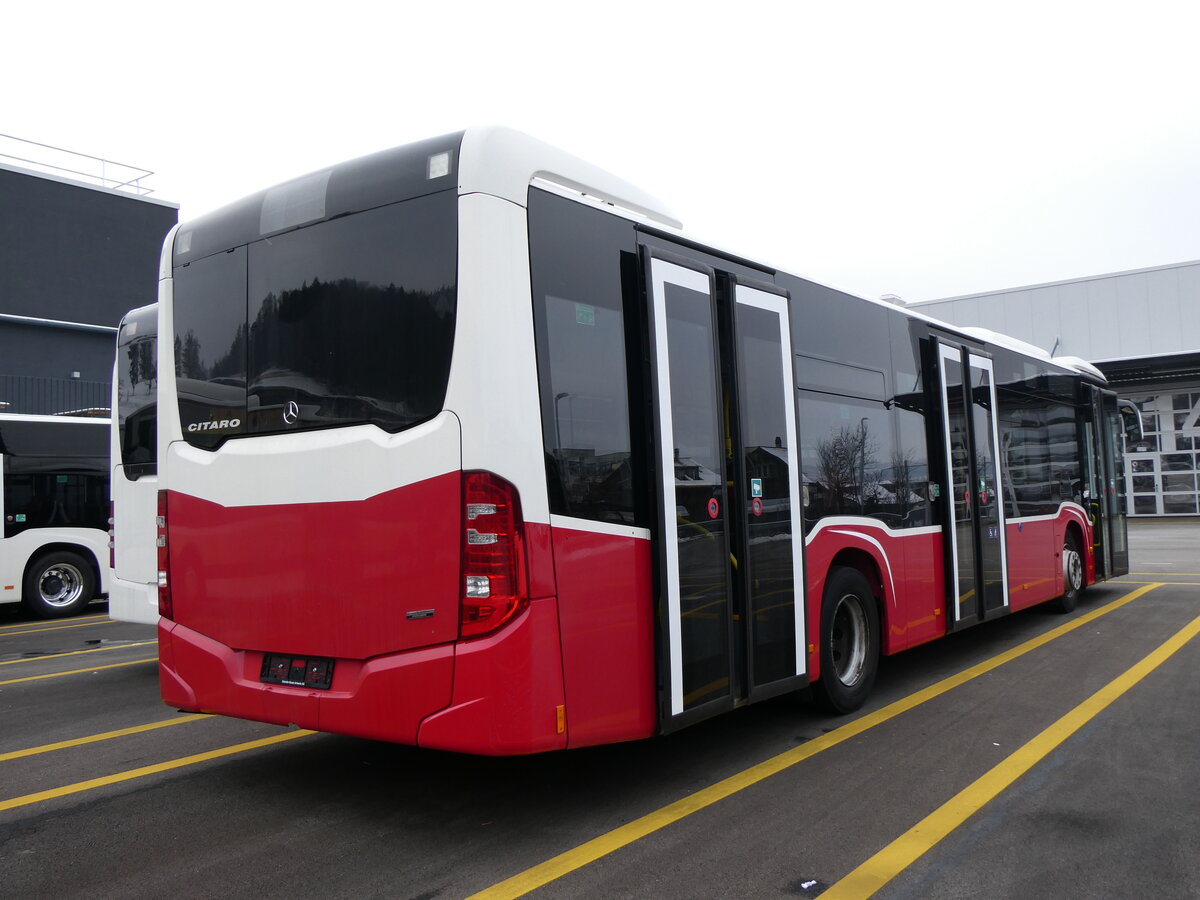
728, 489
1112, 551
977, 558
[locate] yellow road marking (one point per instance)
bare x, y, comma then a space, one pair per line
39, 621
93, 783
57, 628
29, 659
1167, 583
590, 851
1152, 574
132, 662
105, 736
918, 840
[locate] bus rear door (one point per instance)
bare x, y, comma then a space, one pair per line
730, 569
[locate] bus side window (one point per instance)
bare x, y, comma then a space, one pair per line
575, 259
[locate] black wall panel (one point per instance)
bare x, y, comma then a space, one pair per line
75, 253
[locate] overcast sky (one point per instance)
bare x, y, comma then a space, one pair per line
917, 148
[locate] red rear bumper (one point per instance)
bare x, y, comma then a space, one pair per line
507, 697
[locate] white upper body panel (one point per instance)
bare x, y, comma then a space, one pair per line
503, 163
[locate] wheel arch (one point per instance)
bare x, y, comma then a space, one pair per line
868, 565
1075, 529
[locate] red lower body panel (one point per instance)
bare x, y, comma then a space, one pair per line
384, 698
508, 691
908, 567
1034, 561
606, 611
335, 579
1035, 565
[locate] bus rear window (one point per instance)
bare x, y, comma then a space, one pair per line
345, 322
137, 382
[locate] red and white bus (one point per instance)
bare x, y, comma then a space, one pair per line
467, 445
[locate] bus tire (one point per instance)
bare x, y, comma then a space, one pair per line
849, 641
1073, 578
58, 583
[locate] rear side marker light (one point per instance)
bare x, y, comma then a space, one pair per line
112, 535
494, 582
164, 559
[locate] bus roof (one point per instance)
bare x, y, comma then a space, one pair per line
503, 162
492, 160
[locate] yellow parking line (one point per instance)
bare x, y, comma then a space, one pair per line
565, 863
1152, 574
39, 621
29, 659
57, 628
105, 736
1165, 583
132, 662
918, 840
93, 783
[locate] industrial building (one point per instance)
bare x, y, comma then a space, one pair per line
79, 246
1142, 329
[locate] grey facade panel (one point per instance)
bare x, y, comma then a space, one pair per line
1103, 312
47, 371
1189, 305
56, 353
1133, 312
1127, 315
74, 253
1020, 315
1072, 318
993, 317
1163, 287
1045, 319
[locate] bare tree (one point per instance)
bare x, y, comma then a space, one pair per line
843, 460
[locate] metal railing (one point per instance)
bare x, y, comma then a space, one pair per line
51, 160
34, 395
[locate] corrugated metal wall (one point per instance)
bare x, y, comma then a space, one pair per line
1128, 315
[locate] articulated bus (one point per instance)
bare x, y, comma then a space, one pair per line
133, 594
467, 445
54, 493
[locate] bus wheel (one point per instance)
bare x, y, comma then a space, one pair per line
1072, 575
849, 641
58, 583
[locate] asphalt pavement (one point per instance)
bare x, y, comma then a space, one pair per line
1039, 755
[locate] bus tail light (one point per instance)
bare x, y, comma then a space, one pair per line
494, 583
164, 559
112, 535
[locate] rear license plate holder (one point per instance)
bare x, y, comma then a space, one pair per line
297, 671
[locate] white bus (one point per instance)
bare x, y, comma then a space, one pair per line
134, 595
54, 553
